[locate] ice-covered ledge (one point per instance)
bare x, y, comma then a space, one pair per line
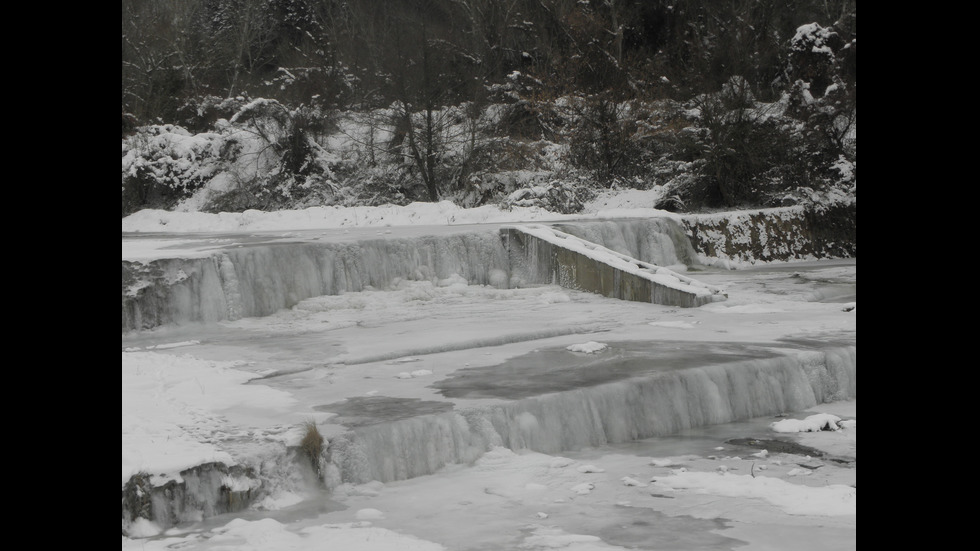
552, 256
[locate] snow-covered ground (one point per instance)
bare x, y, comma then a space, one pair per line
608, 204
194, 394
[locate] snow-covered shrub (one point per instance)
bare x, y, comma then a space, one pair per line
602, 138
283, 165
326, 85
813, 55
735, 143
822, 94
743, 152
847, 171
376, 185
200, 113
491, 187
502, 165
528, 119
516, 87
163, 164
556, 196
129, 124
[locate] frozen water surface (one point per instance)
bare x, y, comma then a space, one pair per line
423, 362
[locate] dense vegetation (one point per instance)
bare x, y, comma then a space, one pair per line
289, 103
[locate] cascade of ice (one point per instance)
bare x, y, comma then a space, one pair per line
659, 241
259, 280
658, 404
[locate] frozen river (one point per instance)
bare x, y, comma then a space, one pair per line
405, 373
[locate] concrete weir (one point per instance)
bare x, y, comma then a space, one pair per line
548, 255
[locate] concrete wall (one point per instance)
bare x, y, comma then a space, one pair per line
780, 234
540, 261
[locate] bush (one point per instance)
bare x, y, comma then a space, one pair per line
376, 185
555, 196
200, 113
312, 446
528, 120
163, 164
283, 165
602, 141
740, 152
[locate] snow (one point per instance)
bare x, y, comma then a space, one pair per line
633, 203
369, 514
813, 423
167, 400
267, 534
180, 408
590, 347
795, 499
557, 502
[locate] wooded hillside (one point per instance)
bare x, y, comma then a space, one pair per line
289, 103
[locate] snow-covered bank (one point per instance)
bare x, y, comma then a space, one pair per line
625, 204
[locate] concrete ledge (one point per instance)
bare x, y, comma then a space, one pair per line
546, 255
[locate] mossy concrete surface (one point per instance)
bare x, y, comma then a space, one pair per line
782, 234
543, 261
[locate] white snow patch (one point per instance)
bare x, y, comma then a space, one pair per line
590, 347
673, 324
369, 514
813, 423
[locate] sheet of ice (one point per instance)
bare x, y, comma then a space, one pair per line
413, 330
176, 402
172, 405
267, 534
794, 499
606, 500
673, 324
